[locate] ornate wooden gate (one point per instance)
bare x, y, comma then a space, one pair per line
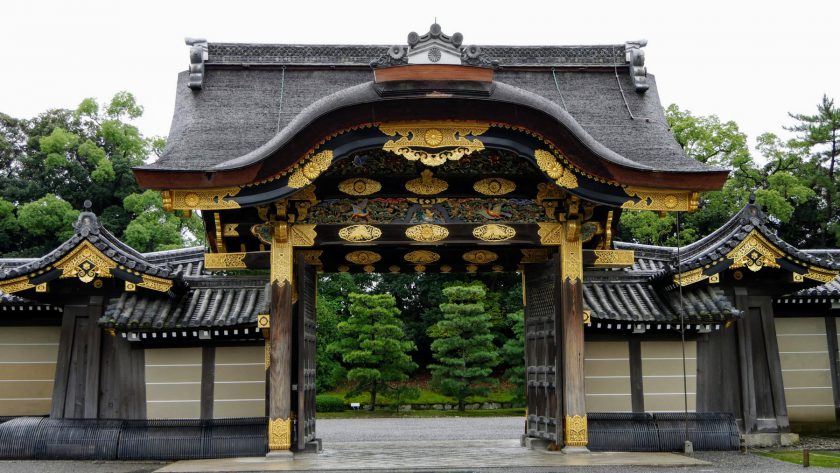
306, 288
542, 350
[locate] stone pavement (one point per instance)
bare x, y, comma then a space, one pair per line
429, 455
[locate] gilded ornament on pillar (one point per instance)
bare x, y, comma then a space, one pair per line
658, 199
414, 140
230, 230
310, 169
494, 232
571, 256
614, 258
549, 164
200, 199
587, 317
480, 256
421, 257
551, 233
359, 233
282, 253
754, 253
575, 432
279, 434
494, 186
426, 184
359, 186
427, 233
363, 257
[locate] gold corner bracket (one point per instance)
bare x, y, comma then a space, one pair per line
661, 199
200, 199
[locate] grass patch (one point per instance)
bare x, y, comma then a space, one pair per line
830, 459
361, 414
427, 397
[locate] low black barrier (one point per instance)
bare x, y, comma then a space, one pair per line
661, 432
37, 438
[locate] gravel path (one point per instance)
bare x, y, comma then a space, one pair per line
420, 429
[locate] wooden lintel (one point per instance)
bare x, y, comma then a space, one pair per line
244, 260
608, 258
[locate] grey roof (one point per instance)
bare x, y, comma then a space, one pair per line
243, 113
632, 298
88, 228
210, 302
828, 290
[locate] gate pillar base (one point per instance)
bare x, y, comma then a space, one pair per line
574, 450
280, 455
312, 446
534, 443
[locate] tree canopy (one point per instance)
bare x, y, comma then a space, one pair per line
52, 163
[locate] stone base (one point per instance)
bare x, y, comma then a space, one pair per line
534, 443
574, 450
769, 440
280, 455
313, 446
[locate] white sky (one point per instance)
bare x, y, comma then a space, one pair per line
751, 62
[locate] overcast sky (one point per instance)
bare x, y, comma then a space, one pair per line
751, 62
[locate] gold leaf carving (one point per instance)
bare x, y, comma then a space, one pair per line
359, 233
359, 186
494, 232
426, 184
343, 268
445, 268
665, 200
551, 233
690, 277
225, 261
155, 283
571, 261
480, 256
414, 140
363, 257
614, 258
821, 275
494, 186
86, 263
421, 257
282, 254
394, 269
308, 171
550, 165
575, 432
231, 230
427, 232
279, 434
302, 235
754, 253
202, 199
16, 285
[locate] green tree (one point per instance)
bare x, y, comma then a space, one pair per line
513, 352
819, 134
373, 346
48, 222
153, 228
463, 345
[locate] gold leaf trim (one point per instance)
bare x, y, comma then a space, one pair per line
551, 233
427, 232
279, 434
575, 432
614, 258
821, 275
155, 283
231, 230
85, 262
359, 186
494, 232
363, 257
201, 199
303, 235
16, 285
426, 184
659, 199
360, 233
304, 174
225, 261
571, 261
690, 277
414, 139
754, 253
480, 256
550, 165
421, 257
282, 254
494, 186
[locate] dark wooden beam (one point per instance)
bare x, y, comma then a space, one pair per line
834, 366
280, 330
208, 380
575, 433
771, 349
637, 390
745, 363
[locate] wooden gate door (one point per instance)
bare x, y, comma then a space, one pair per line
542, 350
306, 344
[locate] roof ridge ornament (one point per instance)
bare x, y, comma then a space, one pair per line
434, 47
199, 52
636, 63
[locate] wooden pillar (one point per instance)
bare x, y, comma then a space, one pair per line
575, 434
208, 380
280, 333
637, 389
831, 336
749, 414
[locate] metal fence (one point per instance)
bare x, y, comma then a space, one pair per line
662, 432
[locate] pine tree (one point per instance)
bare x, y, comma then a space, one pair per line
463, 345
372, 344
513, 352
